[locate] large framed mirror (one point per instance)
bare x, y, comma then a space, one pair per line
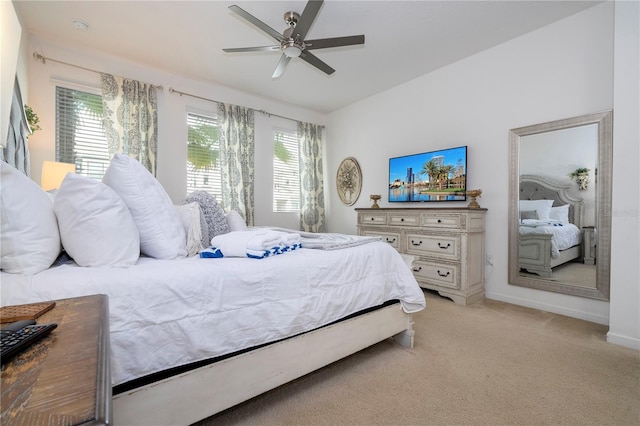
560, 205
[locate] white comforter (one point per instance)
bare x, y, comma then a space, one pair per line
563, 235
166, 313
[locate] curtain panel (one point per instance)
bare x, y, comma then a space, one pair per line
312, 216
237, 152
131, 119
16, 150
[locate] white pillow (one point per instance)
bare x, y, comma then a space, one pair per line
190, 216
560, 213
29, 238
235, 221
542, 207
96, 227
162, 235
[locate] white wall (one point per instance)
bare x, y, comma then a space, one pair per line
172, 110
560, 71
625, 251
10, 46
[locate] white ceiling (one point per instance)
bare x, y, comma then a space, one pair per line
403, 39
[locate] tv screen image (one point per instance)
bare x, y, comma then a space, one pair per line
429, 176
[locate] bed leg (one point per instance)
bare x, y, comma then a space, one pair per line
405, 338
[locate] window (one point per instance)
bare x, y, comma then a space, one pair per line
80, 137
286, 172
203, 152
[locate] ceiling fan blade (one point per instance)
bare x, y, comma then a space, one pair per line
253, 49
308, 16
316, 62
333, 42
255, 21
284, 60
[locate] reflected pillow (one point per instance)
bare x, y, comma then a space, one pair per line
542, 207
528, 214
560, 213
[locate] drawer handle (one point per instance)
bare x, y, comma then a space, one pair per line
373, 218
418, 269
444, 275
392, 240
439, 220
444, 247
416, 244
402, 219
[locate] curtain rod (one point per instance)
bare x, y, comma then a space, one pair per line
172, 90
43, 59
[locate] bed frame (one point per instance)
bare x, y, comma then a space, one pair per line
534, 251
200, 393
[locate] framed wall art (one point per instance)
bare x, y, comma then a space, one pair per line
349, 181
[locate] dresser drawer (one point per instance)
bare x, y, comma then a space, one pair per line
440, 274
445, 221
373, 219
443, 247
404, 219
392, 239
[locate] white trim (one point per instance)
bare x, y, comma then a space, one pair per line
77, 85
561, 310
626, 341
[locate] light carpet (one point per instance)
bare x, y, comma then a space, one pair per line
491, 363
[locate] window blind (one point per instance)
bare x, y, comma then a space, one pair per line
80, 137
286, 172
203, 155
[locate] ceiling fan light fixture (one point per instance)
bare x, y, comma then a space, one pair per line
292, 51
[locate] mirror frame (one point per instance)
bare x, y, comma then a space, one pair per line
604, 120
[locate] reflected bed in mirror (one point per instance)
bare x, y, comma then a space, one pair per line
559, 231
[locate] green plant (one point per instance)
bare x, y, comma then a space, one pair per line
32, 119
578, 171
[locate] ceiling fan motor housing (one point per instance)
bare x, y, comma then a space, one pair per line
291, 18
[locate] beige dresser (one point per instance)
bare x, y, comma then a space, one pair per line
447, 244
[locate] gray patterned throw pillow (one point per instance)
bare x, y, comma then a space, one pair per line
212, 212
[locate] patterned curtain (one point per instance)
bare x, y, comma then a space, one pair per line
131, 119
17, 150
311, 187
237, 148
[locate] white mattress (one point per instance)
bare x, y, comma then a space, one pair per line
166, 313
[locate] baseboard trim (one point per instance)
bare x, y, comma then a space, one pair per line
626, 341
573, 313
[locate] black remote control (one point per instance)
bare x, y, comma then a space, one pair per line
19, 335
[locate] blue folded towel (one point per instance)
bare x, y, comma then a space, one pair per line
211, 253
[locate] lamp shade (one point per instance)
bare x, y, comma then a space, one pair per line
53, 173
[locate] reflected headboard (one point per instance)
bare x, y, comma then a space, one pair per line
534, 187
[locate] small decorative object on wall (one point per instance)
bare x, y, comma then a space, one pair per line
375, 198
474, 193
581, 175
349, 181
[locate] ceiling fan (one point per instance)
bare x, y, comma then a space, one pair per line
292, 41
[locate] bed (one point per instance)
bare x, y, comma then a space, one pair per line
193, 336
549, 225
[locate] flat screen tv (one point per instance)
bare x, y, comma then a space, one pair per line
429, 176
